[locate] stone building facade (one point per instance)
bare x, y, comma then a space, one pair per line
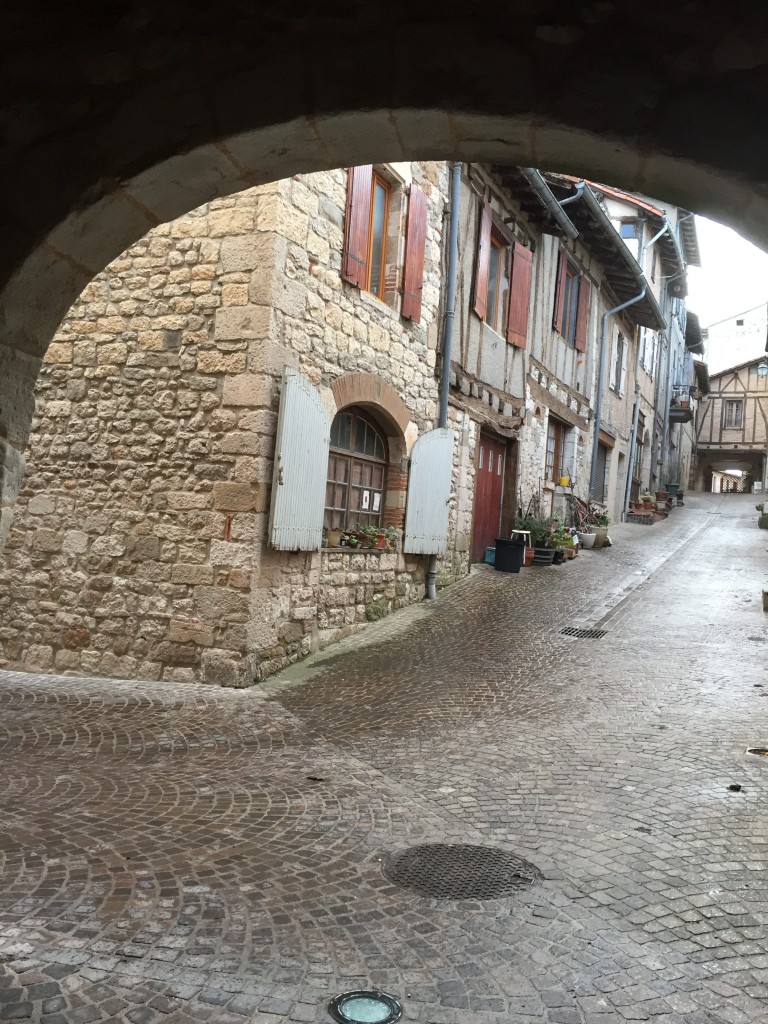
192, 411
139, 544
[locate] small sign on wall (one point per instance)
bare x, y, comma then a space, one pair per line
366, 500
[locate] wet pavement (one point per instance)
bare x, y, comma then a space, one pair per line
178, 853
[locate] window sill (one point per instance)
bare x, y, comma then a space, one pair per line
359, 551
379, 304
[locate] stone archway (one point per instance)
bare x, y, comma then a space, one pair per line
116, 123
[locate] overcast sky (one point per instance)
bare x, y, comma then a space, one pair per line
733, 278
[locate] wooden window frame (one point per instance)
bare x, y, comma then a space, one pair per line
738, 404
351, 457
378, 179
558, 431
567, 321
492, 318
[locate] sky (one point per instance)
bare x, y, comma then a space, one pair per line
733, 278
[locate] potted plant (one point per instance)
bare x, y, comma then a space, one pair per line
671, 474
559, 539
392, 536
647, 499
541, 529
332, 538
349, 540
367, 535
602, 522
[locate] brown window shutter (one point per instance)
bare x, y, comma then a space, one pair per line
519, 295
357, 225
483, 262
557, 319
415, 244
582, 315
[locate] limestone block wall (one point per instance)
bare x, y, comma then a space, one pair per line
139, 545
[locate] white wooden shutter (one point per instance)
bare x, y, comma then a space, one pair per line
301, 466
429, 491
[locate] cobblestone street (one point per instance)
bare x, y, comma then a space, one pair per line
182, 853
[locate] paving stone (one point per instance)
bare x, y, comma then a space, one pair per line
181, 854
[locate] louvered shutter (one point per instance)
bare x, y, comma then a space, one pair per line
519, 295
582, 315
301, 466
483, 262
557, 318
429, 491
357, 225
415, 244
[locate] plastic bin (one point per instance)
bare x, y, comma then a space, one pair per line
509, 554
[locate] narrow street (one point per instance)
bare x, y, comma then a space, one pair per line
182, 853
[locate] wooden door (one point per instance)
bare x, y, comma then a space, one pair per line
489, 491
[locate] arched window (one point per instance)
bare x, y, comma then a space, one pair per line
354, 491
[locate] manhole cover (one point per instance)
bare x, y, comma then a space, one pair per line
584, 634
458, 872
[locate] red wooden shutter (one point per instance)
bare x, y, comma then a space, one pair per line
557, 318
483, 262
415, 244
582, 315
519, 295
357, 225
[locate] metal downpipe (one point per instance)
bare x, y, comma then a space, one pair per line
448, 319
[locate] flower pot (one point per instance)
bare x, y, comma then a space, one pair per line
673, 488
529, 553
587, 540
381, 541
559, 556
543, 556
332, 538
662, 495
601, 536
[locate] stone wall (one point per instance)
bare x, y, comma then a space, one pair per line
139, 546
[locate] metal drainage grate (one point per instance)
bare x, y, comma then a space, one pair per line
584, 634
459, 872
760, 751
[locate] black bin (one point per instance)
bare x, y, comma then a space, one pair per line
510, 554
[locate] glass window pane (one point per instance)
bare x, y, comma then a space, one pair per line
379, 451
346, 431
378, 238
493, 285
377, 479
359, 436
357, 473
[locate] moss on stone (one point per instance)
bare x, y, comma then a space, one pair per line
377, 609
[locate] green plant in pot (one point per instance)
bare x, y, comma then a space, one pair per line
672, 473
392, 536
367, 534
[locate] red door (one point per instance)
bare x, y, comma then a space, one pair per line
489, 489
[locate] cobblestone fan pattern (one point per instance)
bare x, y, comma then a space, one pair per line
175, 853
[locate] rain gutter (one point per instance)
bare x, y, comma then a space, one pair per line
448, 319
543, 191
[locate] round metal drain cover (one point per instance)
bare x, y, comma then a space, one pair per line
457, 872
